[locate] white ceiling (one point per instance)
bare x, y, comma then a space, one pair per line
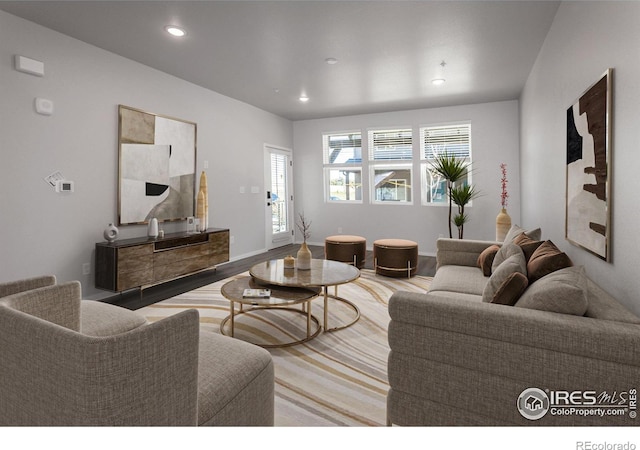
268, 53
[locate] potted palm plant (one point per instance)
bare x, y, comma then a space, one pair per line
452, 170
461, 195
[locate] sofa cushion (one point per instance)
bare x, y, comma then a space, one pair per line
502, 276
563, 291
505, 252
462, 279
515, 230
546, 259
527, 245
485, 260
103, 319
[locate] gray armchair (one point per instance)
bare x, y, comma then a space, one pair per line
63, 361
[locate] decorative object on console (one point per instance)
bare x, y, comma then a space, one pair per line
157, 167
152, 229
304, 254
202, 208
289, 262
111, 233
588, 203
503, 221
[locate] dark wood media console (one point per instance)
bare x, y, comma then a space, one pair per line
131, 263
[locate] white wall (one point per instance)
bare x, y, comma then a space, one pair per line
494, 140
42, 232
585, 39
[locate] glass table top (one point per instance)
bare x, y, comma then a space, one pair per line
323, 272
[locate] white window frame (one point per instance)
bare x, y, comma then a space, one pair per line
425, 161
403, 160
329, 166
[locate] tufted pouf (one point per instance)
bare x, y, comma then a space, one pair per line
347, 249
395, 257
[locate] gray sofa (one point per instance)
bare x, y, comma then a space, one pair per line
456, 360
67, 361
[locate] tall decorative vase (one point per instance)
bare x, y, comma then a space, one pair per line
202, 204
152, 230
303, 260
503, 224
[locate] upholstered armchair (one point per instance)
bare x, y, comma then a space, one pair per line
67, 361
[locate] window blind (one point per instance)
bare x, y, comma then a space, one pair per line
455, 140
344, 148
391, 144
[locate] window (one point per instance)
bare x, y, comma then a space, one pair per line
390, 165
454, 140
343, 166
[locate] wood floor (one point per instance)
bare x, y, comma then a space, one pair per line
139, 298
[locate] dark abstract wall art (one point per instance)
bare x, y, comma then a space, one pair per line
157, 156
588, 202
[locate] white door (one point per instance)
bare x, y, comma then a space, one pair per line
279, 197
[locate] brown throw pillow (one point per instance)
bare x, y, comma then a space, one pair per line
527, 245
485, 260
546, 259
511, 289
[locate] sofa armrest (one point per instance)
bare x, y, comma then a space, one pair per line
59, 304
15, 287
460, 252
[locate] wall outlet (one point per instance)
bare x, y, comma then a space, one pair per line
86, 269
339, 230
232, 240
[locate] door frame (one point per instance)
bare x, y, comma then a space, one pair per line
271, 241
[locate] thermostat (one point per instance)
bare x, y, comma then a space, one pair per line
44, 106
64, 186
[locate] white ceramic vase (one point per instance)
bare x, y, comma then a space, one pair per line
111, 233
152, 230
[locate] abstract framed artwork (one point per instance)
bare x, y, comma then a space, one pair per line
588, 201
157, 159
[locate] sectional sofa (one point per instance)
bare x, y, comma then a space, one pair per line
475, 351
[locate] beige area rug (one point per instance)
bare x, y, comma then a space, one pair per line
338, 378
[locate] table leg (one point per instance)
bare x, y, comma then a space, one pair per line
326, 307
232, 313
308, 319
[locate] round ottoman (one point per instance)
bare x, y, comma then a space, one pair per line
347, 249
395, 257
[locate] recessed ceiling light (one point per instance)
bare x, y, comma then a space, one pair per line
331, 61
438, 81
175, 31
304, 98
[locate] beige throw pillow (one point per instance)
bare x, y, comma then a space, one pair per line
505, 252
515, 230
513, 264
563, 291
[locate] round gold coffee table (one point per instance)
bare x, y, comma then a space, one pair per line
323, 273
281, 299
